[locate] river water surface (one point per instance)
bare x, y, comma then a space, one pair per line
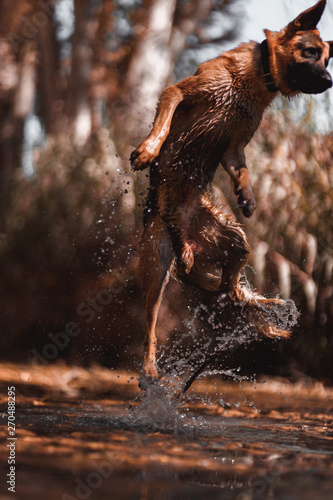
88, 434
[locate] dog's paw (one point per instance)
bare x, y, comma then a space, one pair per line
144, 155
270, 317
139, 161
247, 203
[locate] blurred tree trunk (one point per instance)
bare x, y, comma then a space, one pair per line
24, 101
8, 84
17, 88
79, 104
103, 87
188, 16
16, 105
51, 107
149, 67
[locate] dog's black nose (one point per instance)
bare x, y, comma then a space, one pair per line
327, 81
318, 86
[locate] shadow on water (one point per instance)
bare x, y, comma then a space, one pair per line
89, 434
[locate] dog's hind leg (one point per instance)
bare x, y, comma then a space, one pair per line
267, 315
264, 314
222, 245
156, 259
214, 246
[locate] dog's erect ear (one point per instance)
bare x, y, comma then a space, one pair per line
309, 19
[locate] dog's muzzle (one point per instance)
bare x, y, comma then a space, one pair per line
309, 78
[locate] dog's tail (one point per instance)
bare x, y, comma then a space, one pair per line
270, 317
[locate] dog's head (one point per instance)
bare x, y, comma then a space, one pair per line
299, 57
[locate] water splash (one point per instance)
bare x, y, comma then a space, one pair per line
158, 410
211, 330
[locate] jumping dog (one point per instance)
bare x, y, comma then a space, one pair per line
202, 121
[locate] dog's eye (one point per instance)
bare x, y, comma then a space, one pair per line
312, 53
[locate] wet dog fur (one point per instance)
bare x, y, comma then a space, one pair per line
202, 121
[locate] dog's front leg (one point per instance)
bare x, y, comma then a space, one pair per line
149, 149
234, 164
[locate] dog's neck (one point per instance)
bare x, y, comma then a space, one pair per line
269, 80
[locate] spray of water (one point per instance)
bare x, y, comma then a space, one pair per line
211, 330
